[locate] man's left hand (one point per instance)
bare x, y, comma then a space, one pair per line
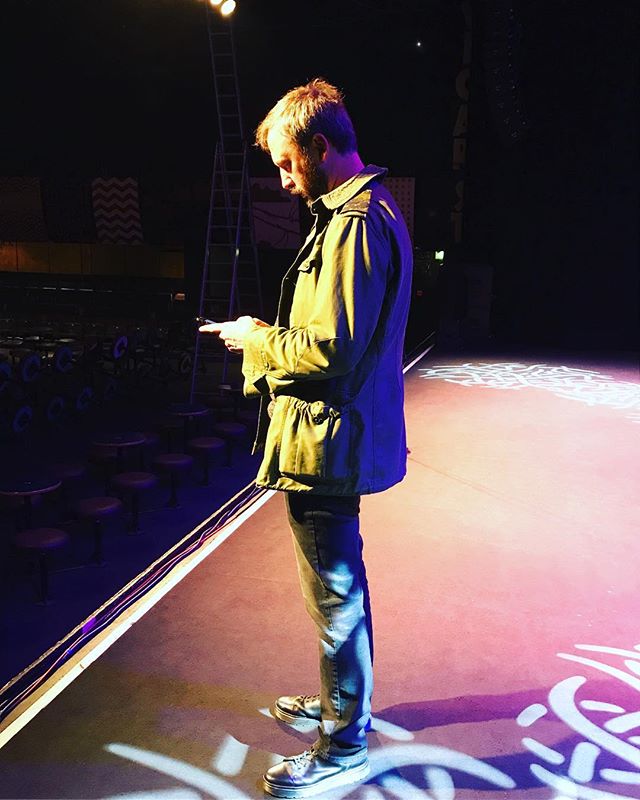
233, 334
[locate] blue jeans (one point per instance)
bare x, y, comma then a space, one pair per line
328, 549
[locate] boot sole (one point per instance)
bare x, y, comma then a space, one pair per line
354, 775
293, 719
307, 722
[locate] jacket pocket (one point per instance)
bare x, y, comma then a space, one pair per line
316, 442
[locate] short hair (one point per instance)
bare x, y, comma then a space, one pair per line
316, 107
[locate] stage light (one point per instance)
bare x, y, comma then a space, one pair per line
228, 7
439, 255
215, 3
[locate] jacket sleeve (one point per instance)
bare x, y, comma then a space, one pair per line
348, 298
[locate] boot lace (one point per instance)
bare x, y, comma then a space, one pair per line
301, 762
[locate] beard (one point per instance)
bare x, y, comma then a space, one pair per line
314, 181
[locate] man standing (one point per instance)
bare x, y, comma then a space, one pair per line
331, 424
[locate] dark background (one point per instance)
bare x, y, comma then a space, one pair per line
123, 87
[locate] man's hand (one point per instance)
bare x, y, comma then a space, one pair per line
234, 333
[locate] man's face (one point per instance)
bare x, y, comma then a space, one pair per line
301, 172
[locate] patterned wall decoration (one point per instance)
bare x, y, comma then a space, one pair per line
403, 191
116, 209
21, 217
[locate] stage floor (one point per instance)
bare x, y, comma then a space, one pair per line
505, 583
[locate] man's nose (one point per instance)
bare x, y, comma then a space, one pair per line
286, 180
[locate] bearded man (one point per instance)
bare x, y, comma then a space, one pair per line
329, 372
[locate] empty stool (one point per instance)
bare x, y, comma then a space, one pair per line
231, 432
173, 464
133, 484
97, 509
41, 541
203, 448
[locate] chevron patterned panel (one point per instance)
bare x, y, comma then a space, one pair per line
116, 209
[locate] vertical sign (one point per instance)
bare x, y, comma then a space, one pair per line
461, 125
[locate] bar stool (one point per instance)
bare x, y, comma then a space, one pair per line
231, 432
97, 510
203, 448
41, 541
173, 464
134, 484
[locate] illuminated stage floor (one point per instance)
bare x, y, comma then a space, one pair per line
505, 585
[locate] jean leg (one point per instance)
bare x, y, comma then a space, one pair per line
328, 549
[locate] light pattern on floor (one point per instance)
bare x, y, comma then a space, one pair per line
571, 383
604, 732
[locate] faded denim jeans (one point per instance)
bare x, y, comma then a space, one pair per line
328, 549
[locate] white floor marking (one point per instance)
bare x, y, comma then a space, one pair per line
583, 762
542, 751
230, 757
394, 732
531, 714
597, 705
440, 783
186, 773
402, 789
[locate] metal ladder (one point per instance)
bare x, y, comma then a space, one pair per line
230, 275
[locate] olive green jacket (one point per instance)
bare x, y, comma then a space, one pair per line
332, 363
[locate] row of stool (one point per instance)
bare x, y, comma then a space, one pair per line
129, 485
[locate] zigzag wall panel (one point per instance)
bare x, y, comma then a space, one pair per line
116, 210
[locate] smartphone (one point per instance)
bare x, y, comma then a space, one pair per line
205, 321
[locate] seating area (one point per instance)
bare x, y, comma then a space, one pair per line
88, 503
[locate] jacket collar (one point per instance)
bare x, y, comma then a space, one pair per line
350, 188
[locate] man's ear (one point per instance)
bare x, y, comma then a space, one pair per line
321, 145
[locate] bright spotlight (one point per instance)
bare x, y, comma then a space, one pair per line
215, 3
439, 255
228, 7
